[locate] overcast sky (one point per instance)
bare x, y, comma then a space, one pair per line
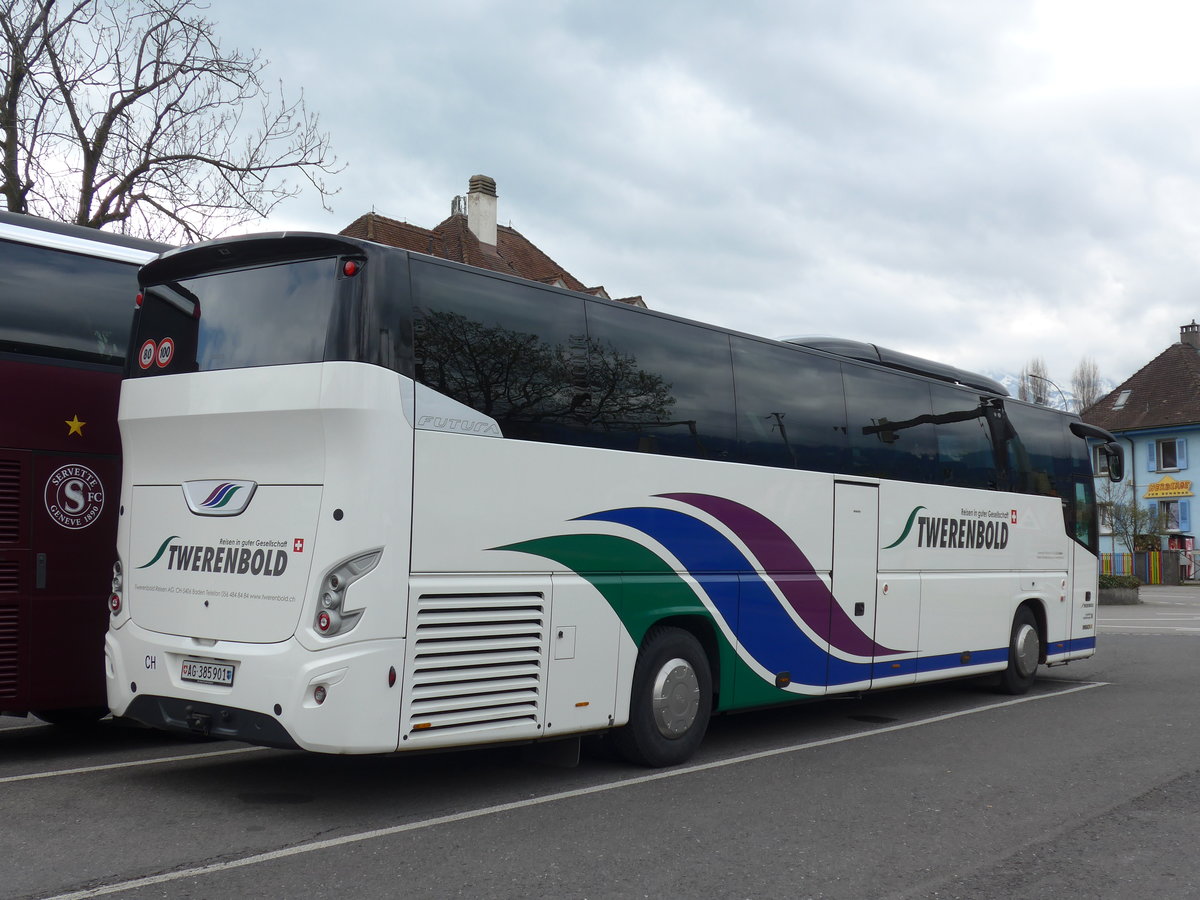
979, 183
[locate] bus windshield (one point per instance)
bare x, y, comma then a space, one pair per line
265, 316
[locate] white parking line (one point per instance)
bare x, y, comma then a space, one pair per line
312, 847
158, 760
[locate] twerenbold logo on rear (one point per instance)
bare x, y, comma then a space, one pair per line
218, 498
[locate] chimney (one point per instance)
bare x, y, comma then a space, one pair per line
481, 209
1190, 335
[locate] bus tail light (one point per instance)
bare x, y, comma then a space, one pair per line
118, 585
332, 616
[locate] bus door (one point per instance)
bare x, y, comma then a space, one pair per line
855, 564
1082, 626
75, 504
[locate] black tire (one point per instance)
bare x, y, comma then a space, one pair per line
671, 700
75, 717
1024, 653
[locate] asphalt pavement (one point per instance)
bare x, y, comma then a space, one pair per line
1085, 787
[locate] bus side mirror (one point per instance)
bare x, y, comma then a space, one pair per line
1116, 460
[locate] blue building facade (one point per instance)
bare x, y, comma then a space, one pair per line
1155, 414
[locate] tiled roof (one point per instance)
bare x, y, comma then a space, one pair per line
373, 227
1164, 392
514, 254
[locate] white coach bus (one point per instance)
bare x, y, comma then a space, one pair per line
376, 501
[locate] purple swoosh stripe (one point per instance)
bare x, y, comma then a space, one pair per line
217, 490
777, 554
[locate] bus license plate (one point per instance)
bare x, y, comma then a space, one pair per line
206, 672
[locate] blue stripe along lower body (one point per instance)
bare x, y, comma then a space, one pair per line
1077, 644
750, 609
945, 661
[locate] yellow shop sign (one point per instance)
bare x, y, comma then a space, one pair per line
1168, 487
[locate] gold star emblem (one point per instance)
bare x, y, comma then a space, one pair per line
74, 426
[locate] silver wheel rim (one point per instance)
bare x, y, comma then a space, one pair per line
675, 698
1026, 650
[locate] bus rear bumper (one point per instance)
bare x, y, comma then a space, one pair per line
209, 720
340, 700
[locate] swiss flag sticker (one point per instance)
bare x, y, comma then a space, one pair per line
298, 543
1013, 517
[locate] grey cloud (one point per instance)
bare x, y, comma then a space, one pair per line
881, 171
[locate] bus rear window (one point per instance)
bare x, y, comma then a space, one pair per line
267, 316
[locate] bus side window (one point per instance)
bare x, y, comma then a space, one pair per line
791, 409
1038, 457
890, 425
964, 442
66, 305
658, 385
514, 352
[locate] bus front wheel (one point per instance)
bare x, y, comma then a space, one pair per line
671, 700
1024, 653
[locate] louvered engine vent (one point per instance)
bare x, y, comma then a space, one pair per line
478, 665
9, 653
10, 501
10, 577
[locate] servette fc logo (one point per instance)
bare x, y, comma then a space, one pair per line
218, 498
74, 496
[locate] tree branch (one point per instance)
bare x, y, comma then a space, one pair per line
128, 113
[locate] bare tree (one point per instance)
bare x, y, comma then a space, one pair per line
1035, 382
1138, 527
1085, 384
128, 113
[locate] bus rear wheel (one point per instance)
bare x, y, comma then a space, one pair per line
671, 700
1024, 653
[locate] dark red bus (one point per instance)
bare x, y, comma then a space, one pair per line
66, 304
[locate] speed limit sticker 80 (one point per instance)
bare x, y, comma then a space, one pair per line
161, 352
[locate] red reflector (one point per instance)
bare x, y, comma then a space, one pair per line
350, 269
392, 677
138, 299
